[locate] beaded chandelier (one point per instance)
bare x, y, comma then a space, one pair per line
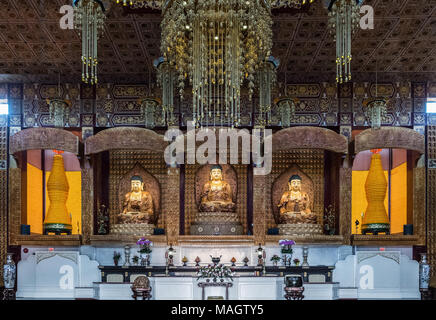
343, 21
216, 46
89, 16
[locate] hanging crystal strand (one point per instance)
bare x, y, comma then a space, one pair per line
95, 49
350, 33
88, 41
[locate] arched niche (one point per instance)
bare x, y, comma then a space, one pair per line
125, 138
308, 138
32, 153
44, 139
389, 137
402, 152
113, 156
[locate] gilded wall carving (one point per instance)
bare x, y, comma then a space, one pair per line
87, 202
3, 196
431, 199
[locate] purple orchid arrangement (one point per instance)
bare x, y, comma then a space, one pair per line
145, 245
286, 245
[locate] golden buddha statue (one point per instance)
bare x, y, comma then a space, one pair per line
137, 204
294, 204
217, 195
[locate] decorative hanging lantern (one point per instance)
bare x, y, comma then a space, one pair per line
59, 111
148, 108
375, 219
59, 108
166, 79
375, 111
57, 220
267, 79
287, 107
344, 16
89, 16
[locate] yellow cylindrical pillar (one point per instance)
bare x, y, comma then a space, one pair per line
57, 219
375, 219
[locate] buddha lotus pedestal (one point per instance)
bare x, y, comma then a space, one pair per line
216, 223
136, 229
290, 229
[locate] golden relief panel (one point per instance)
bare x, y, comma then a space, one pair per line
431, 200
3, 198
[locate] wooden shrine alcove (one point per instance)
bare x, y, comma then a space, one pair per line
414, 143
318, 153
19, 144
112, 155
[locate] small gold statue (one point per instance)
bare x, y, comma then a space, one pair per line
138, 204
217, 194
294, 205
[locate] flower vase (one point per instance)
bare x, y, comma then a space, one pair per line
9, 272
286, 259
424, 272
275, 263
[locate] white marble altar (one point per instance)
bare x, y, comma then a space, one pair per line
244, 288
70, 273
378, 275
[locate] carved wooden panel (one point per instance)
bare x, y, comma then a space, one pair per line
3, 195
431, 199
171, 205
345, 203
87, 203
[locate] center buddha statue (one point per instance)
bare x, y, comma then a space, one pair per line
216, 208
217, 195
294, 206
137, 204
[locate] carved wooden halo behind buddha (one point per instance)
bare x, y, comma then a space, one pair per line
151, 185
203, 176
216, 217
279, 188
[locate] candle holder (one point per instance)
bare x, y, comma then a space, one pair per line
305, 255
126, 256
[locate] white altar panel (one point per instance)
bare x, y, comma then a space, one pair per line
244, 288
56, 275
378, 275
113, 291
173, 288
257, 288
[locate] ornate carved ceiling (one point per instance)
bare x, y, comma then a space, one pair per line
402, 45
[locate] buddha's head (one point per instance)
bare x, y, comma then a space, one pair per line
136, 184
216, 173
294, 183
